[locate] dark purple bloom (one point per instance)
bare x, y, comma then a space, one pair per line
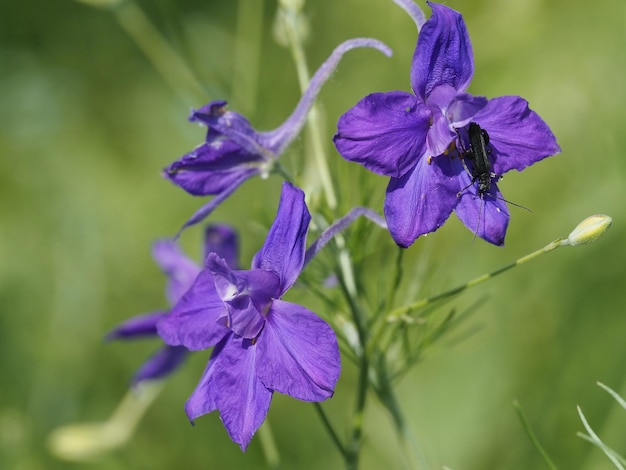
180, 272
417, 139
262, 343
234, 151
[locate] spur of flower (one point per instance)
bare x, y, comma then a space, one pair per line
181, 273
233, 151
420, 139
262, 344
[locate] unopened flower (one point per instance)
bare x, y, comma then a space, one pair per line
420, 139
590, 229
181, 273
262, 343
234, 151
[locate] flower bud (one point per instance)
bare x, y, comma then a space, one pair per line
590, 229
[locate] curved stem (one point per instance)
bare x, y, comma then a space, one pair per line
340, 225
331, 431
398, 313
162, 55
387, 397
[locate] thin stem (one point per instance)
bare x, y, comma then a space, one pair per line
313, 121
340, 225
533, 438
387, 397
246, 55
164, 58
398, 313
354, 445
268, 444
329, 427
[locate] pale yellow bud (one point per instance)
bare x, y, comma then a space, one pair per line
590, 229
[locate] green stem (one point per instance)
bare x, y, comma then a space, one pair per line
313, 121
331, 431
268, 444
353, 448
164, 58
398, 313
409, 447
533, 438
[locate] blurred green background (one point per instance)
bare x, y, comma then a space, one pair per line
87, 123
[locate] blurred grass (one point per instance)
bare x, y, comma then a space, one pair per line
86, 124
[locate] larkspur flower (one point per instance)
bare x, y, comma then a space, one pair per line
419, 139
180, 272
262, 343
234, 151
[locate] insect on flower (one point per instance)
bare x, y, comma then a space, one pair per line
481, 174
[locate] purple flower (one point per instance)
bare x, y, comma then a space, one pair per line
234, 151
417, 139
180, 272
262, 343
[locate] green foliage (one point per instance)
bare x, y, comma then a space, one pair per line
87, 123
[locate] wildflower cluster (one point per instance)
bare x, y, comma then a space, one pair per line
443, 150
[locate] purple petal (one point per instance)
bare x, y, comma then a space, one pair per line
486, 216
233, 126
444, 53
180, 270
422, 200
517, 135
385, 132
213, 109
194, 322
210, 206
137, 327
440, 135
283, 251
462, 109
222, 240
212, 167
231, 385
203, 398
298, 352
165, 361
246, 294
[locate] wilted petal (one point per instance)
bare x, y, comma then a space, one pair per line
298, 352
517, 135
180, 270
193, 322
222, 240
486, 216
422, 200
136, 327
385, 132
165, 361
444, 53
283, 250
